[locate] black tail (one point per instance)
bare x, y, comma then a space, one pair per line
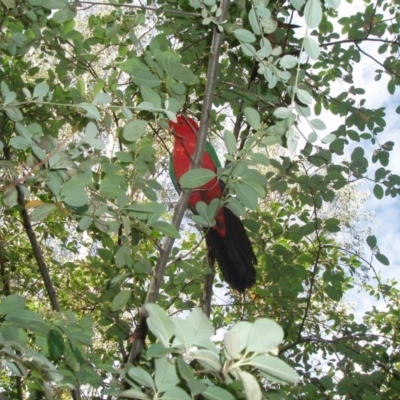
233, 252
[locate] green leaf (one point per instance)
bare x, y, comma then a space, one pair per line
91, 110
133, 394
208, 359
27, 319
246, 195
10, 197
303, 96
313, 13
230, 141
56, 343
378, 191
333, 293
275, 367
102, 98
41, 212
382, 258
196, 178
242, 330
166, 375
232, 344
159, 323
134, 130
142, 377
318, 124
282, 113
175, 393
248, 49
250, 384
120, 300
372, 242
151, 96
244, 36
333, 3
260, 159
311, 48
10, 97
329, 138
217, 393
11, 303
194, 329
288, 61
166, 229
41, 89
254, 22
264, 334
252, 117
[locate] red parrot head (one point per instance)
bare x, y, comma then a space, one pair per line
183, 127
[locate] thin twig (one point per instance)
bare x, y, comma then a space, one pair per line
378, 62
36, 167
141, 331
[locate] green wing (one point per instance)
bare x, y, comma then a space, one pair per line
172, 174
211, 151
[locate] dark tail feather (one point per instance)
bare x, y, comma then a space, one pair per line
233, 252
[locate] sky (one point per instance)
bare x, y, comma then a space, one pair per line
386, 221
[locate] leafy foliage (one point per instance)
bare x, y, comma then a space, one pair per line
87, 223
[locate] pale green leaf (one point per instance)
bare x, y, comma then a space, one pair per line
288, 61
41, 89
329, 138
166, 229
248, 49
41, 212
275, 367
313, 13
91, 110
166, 375
230, 141
311, 47
246, 195
264, 335
250, 384
196, 178
318, 124
304, 96
10, 303
134, 130
142, 377
217, 393
151, 96
232, 344
175, 393
254, 22
208, 359
252, 117
120, 300
244, 36
159, 323
282, 112
102, 98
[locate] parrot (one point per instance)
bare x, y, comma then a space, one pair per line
227, 239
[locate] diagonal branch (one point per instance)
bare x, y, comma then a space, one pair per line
140, 333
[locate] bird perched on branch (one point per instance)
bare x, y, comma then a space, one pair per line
227, 239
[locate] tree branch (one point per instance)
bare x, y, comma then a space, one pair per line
140, 333
37, 251
208, 285
176, 12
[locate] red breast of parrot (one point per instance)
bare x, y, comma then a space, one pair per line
227, 239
